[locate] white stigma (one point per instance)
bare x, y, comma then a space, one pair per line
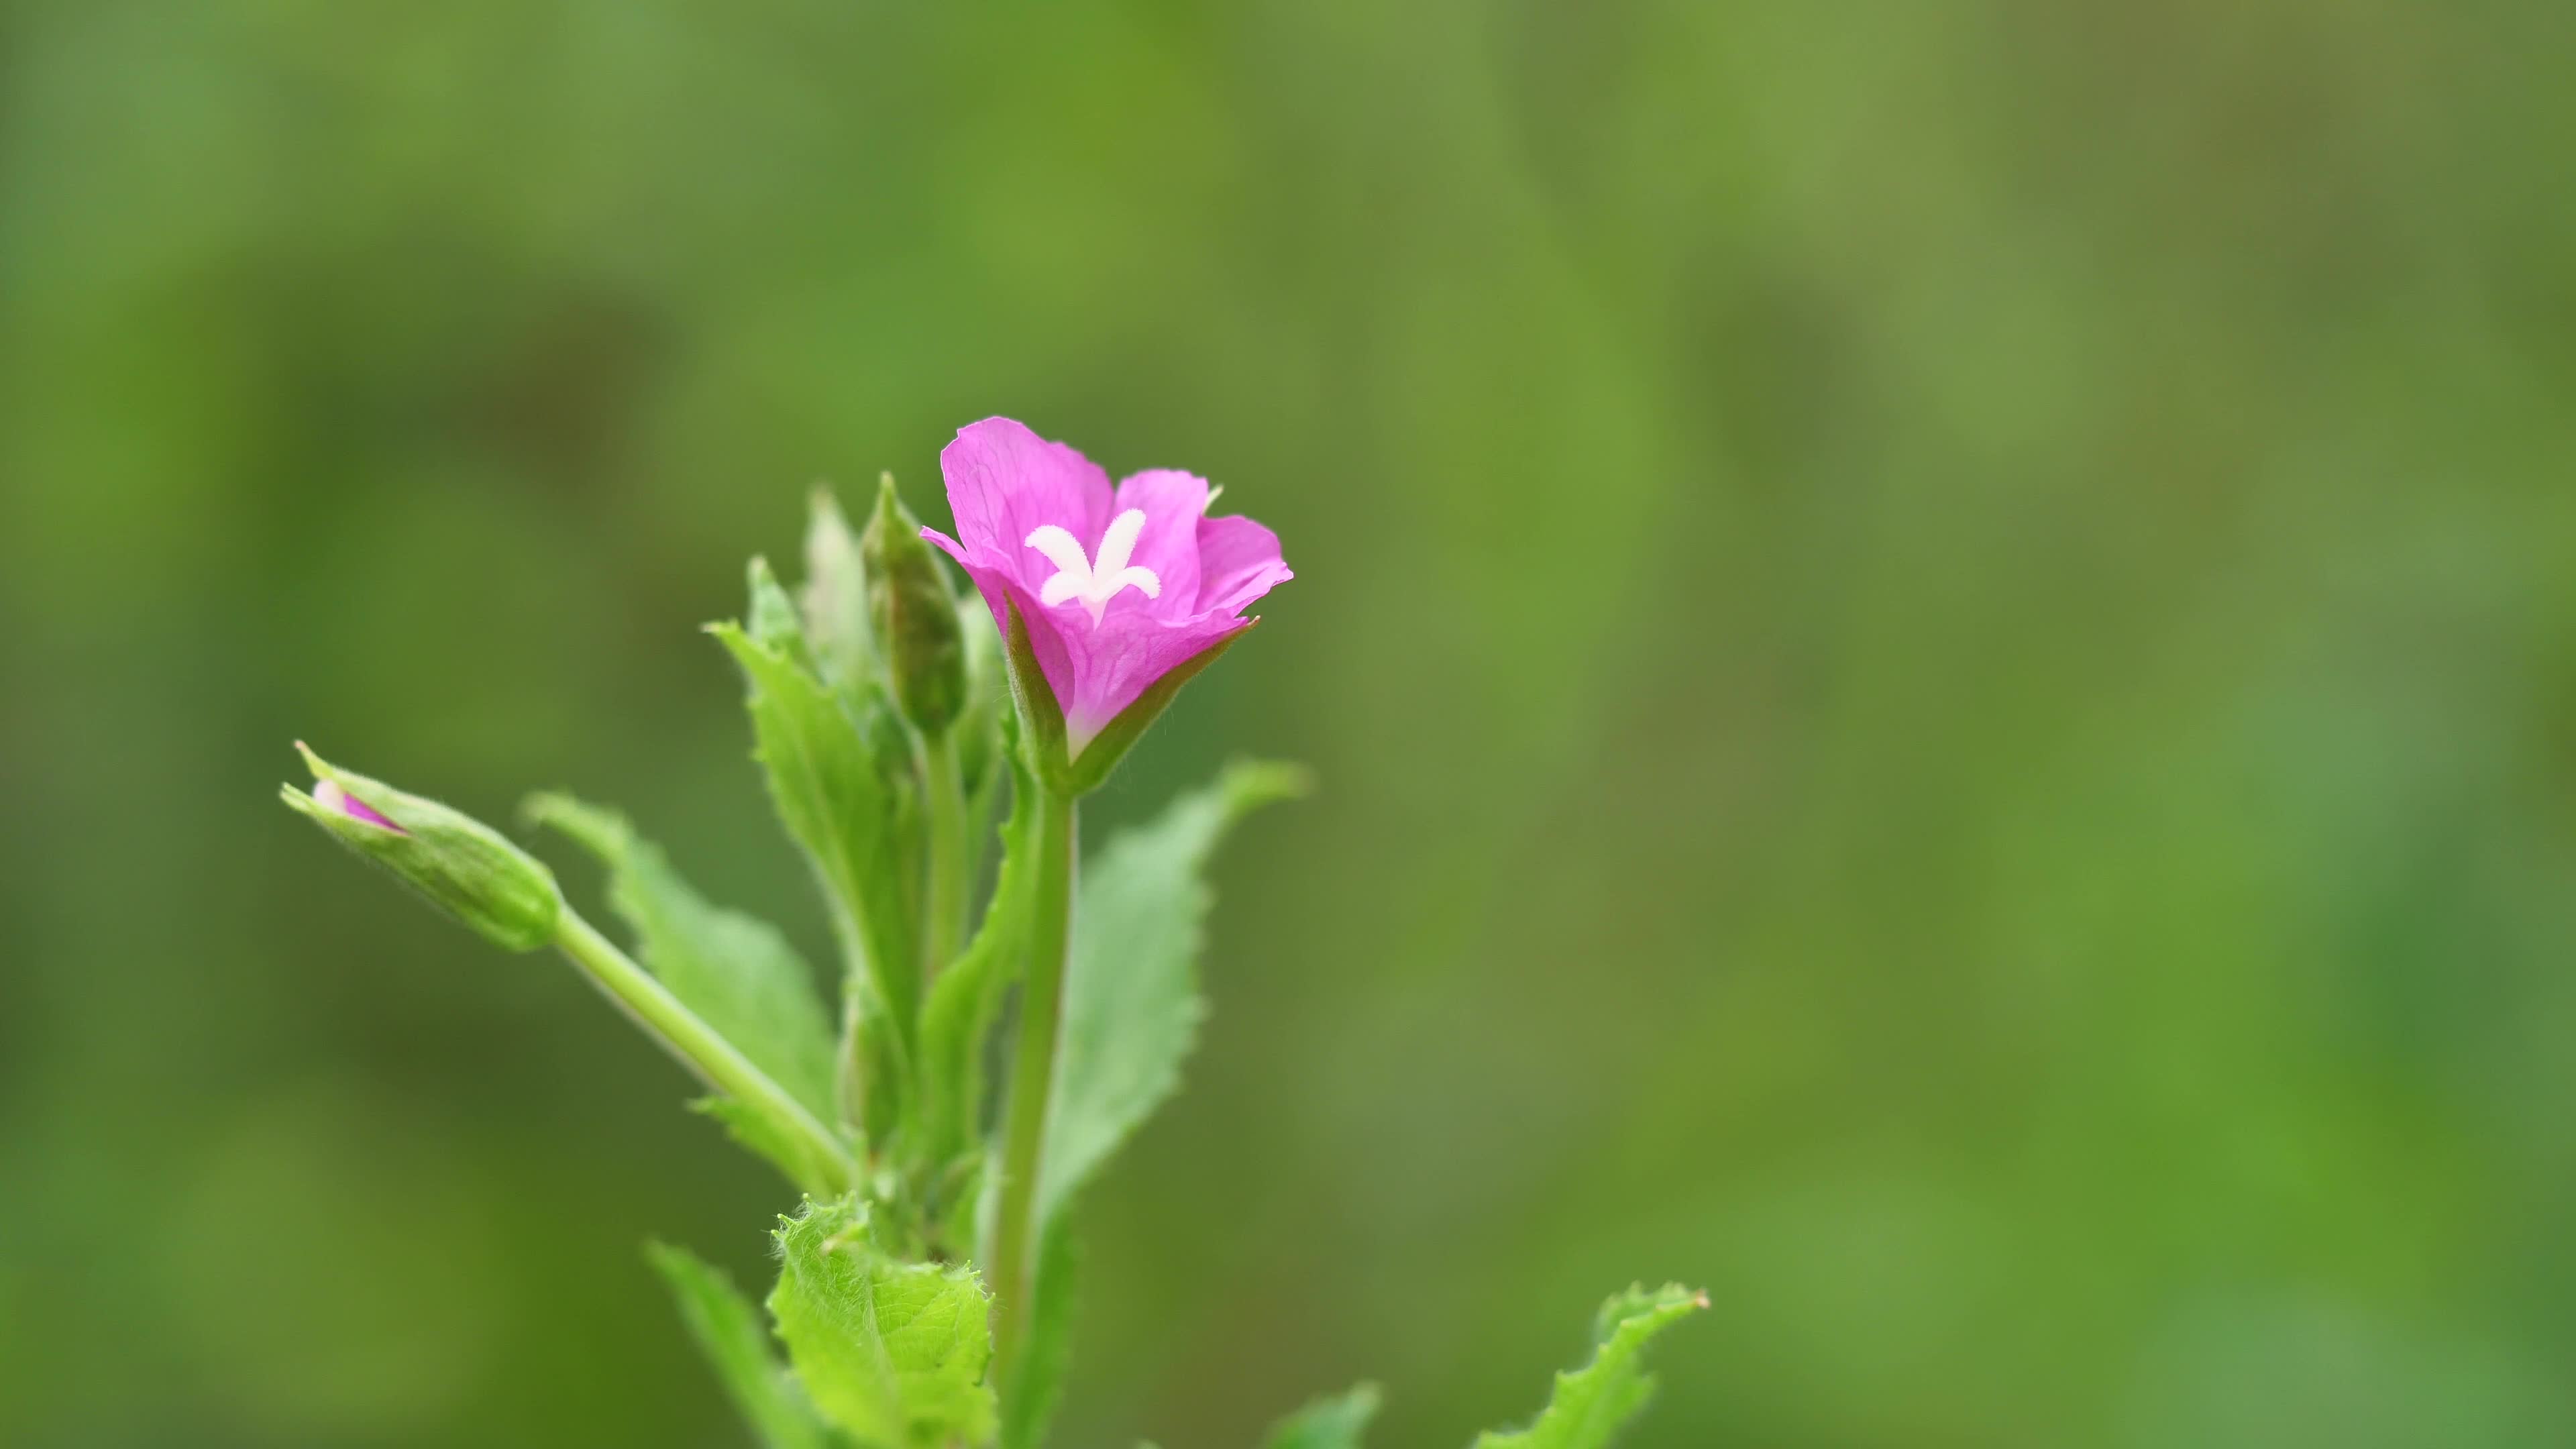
1094, 581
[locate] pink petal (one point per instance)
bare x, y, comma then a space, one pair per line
1114, 664
1095, 672
1005, 481
1239, 561
994, 580
1172, 501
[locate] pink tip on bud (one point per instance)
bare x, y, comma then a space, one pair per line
332, 797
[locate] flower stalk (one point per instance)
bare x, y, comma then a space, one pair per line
1013, 1251
696, 1046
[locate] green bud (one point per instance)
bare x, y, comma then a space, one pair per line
836, 597
459, 864
914, 615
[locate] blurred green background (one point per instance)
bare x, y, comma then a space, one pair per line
1942, 641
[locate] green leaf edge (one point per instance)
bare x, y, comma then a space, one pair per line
1334, 1422
1589, 1405
730, 1332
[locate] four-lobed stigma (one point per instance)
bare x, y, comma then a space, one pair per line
1094, 581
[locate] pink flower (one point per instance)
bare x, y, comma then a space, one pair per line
1118, 587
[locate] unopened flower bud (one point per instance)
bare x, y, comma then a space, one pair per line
459, 864
914, 616
835, 597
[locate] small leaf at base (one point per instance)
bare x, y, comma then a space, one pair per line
893, 1352
846, 794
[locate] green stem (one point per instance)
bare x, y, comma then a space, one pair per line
696, 1045
1014, 1250
944, 908
850, 1069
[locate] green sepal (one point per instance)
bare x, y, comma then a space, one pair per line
892, 1352
835, 598
1591, 1403
913, 613
1132, 1007
453, 861
1042, 727
735, 971
729, 1331
1033, 699
1333, 1423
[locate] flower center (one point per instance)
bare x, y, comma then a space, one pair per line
1097, 579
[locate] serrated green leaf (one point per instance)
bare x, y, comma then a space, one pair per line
736, 1343
1591, 1403
892, 1352
772, 618
1131, 1008
1131, 1012
735, 971
1334, 1423
844, 789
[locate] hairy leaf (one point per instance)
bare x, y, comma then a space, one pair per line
846, 795
892, 1352
1592, 1402
772, 619
1131, 1008
1334, 1423
735, 971
729, 1332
